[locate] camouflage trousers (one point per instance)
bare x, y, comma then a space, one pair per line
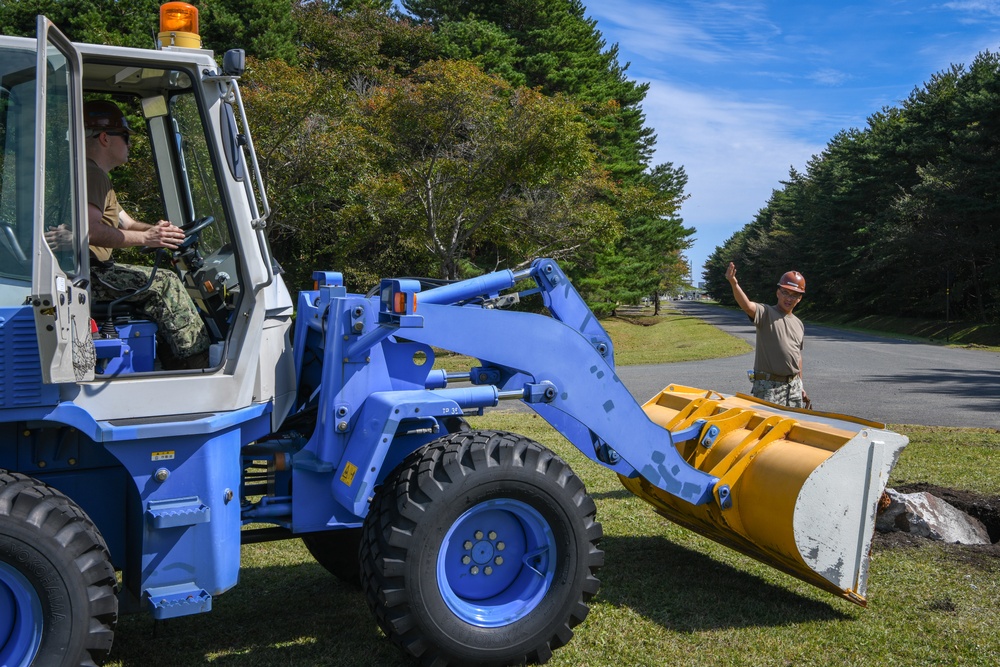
166, 302
783, 393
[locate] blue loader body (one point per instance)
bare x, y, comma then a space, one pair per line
130, 479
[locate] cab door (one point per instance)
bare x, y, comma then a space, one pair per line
60, 267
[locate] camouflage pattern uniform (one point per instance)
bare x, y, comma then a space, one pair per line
166, 302
783, 393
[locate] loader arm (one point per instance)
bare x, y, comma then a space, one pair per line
572, 355
795, 489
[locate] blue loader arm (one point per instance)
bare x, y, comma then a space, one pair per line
590, 406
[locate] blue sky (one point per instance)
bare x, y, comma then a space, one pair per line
742, 90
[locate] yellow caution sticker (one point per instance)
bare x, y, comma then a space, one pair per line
348, 475
162, 456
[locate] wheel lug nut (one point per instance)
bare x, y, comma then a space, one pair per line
501, 546
479, 534
466, 560
498, 560
467, 545
493, 535
487, 570
475, 569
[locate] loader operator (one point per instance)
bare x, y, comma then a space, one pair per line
777, 366
183, 337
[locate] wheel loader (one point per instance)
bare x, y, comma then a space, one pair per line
126, 487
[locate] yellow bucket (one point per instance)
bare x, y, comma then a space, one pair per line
798, 490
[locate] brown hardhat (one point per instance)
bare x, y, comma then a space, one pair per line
794, 281
104, 116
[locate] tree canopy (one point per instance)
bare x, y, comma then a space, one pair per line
558, 50
261, 27
473, 162
899, 218
448, 139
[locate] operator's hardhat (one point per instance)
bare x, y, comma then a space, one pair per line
794, 281
104, 116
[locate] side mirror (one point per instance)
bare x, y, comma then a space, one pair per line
234, 62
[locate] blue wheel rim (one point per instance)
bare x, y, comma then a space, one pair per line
20, 618
497, 563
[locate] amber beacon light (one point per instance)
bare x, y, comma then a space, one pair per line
179, 26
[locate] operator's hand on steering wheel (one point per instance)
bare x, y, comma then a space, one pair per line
163, 235
59, 237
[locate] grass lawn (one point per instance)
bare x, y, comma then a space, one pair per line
644, 339
668, 596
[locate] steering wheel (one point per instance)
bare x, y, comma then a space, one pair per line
193, 229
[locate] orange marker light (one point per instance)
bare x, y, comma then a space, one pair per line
178, 17
179, 25
399, 303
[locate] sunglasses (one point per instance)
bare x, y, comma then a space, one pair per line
124, 135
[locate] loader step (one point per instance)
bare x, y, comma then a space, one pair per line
179, 600
177, 512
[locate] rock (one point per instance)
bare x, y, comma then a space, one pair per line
928, 516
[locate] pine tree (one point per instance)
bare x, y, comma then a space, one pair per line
263, 28
561, 51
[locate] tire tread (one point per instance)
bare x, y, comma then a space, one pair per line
403, 500
53, 516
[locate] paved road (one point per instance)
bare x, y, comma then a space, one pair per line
883, 379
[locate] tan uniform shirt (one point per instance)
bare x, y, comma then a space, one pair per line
102, 195
780, 339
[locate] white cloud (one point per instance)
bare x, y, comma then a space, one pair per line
829, 77
741, 90
991, 7
700, 32
734, 153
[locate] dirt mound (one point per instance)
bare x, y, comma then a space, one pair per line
983, 507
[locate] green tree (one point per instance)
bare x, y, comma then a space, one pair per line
314, 152
362, 40
953, 206
715, 268
263, 28
474, 162
560, 50
484, 44
121, 23
647, 257
898, 218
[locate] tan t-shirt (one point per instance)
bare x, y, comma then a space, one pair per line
102, 195
780, 339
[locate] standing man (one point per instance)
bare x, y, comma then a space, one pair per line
166, 302
777, 365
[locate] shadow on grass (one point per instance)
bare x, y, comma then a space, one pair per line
299, 614
687, 591
278, 615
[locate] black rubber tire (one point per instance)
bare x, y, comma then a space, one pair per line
337, 552
49, 541
431, 492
